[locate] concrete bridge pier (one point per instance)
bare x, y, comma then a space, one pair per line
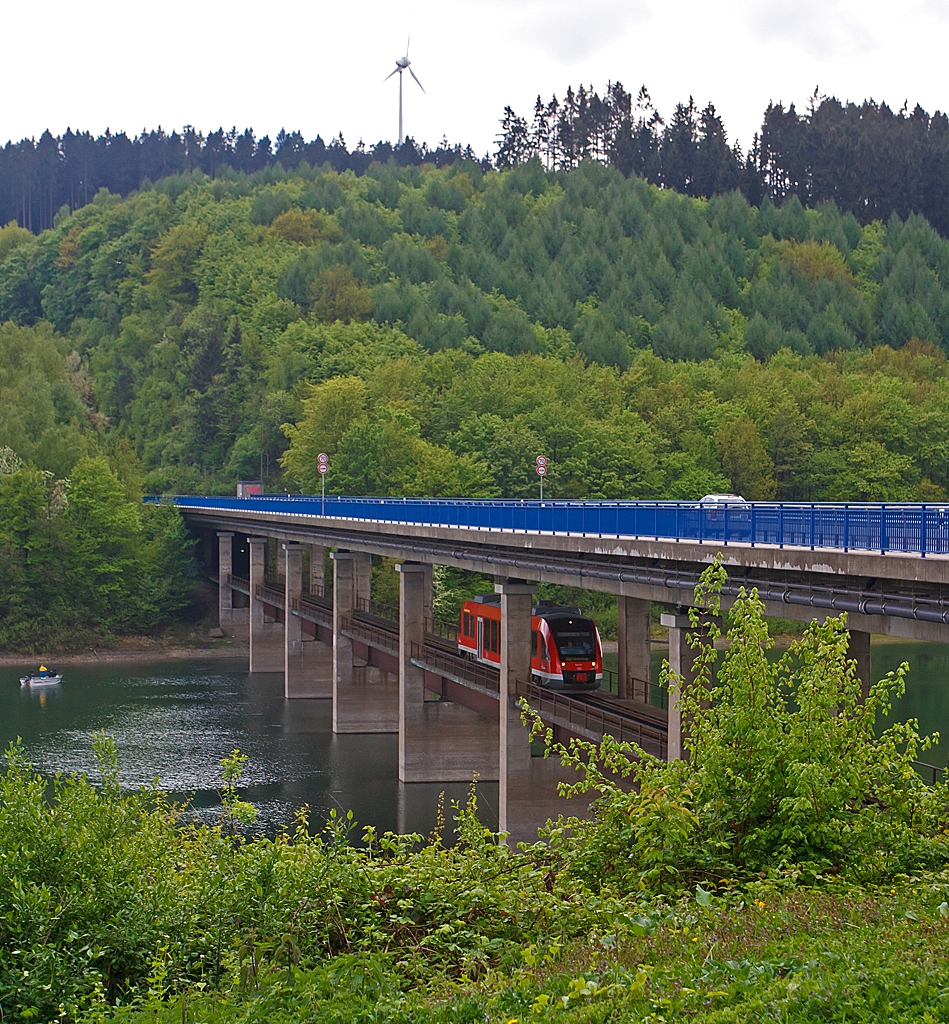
306, 662
527, 786
317, 570
225, 563
365, 698
362, 577
682, 661
439, 741
266, 653
633, 649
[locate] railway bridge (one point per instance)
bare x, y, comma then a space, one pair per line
886, 565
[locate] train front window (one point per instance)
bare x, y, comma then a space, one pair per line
575, 639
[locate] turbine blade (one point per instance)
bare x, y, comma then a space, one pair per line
390, 74
415, 76
409, 40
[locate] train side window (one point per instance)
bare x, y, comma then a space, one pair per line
534, 637
495, 645
466, 626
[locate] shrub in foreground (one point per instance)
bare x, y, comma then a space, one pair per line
789, 774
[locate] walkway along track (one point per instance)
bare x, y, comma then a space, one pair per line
589, 716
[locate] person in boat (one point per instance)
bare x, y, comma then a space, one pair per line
43, 671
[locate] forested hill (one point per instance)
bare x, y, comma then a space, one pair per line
865, 157
435, 329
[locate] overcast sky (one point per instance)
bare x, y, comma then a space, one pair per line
319, 67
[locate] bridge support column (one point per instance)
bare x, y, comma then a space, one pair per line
365, 699
342, 645
225, 563
317, 570
362, 573
859, 651
527, 786
265, 653
439, 741
411, 677
428, 593
292, 631
633, 649
682, 662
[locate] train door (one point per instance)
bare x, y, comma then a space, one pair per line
480, 637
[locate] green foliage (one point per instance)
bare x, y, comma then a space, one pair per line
802, 356
787, 777
42, 417
83, 559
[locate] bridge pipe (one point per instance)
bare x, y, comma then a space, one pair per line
785, 595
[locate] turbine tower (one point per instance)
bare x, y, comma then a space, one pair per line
402, 64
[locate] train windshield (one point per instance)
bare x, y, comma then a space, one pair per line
575, 638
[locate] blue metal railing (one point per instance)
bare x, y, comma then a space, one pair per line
910, 528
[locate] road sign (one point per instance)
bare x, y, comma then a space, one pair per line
323, 459
541, 470
323, 467
541, 460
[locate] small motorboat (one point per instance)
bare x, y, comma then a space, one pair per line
44, 677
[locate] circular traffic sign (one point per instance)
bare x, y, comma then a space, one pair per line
323, 467
541, 460
541, 470
322, 458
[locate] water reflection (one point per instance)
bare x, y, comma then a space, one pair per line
174, 722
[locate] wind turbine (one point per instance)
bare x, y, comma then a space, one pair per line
402, 64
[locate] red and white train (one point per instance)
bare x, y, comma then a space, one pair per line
565, 644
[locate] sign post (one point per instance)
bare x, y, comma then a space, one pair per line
323, 465
541, 461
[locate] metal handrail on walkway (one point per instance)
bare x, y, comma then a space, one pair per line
593, 721
380, 609
313, 611
443, 628
456, 667
932, 770
237, 582
270, 595
370, 633
640, 689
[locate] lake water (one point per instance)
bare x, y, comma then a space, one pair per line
176, 720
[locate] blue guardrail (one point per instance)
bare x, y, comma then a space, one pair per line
911, 528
